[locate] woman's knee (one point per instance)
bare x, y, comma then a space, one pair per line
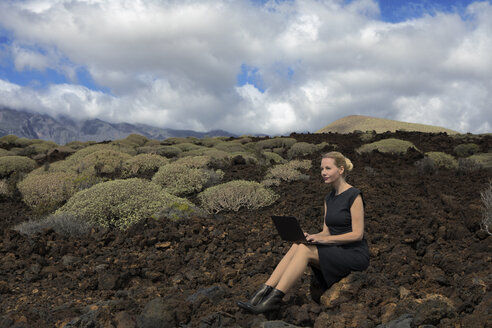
309, 251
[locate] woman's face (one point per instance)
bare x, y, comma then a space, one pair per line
329, 171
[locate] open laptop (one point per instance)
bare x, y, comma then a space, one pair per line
289, 229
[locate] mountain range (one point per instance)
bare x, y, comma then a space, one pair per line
63, 129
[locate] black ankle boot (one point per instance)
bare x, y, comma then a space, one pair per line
260, 294
271, 302
257, 297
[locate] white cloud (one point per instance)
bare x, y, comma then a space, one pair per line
175, 63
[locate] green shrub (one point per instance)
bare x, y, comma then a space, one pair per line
426, 166
152, 143
230, 147
103, 163
15, 164
209, 142
234, 195
136, 139
38, 148
249, 158
466, 165
143, 165
441, 159
484, 159
77, 145
8, 140
465, 150
367, 136
486, 196
120, 203
5, 189
304, 148
23, 142
289, 171
217, 157
165, 151
5, 152
44, 193
391, 145
64, 224
180, 179
179, 140
84, 152
280, 142
273, 157
186, 146
197, 162
177, 211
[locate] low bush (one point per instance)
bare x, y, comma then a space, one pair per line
120, 203
273, 157
197, 162
486, 196
466, 165
5, 152
234, 195
218, 158
367, 136
209, 142
289, 171
180, 179
15, 164
484, 159
143, 165
136, 139
5, 191
178, 211
103, 163
77, 145
84, 152
248, 158
38, 148
8, 141
64, 224
186, 146
180, 140
304, 148
44, 193
391, 145
280, 142
152, 143
465, 150
165, 151
426, 166
441, 159
230, 147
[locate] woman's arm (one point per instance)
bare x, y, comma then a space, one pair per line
357, 233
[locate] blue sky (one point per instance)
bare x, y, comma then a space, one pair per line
249, 66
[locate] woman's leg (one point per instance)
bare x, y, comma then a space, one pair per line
301, 257
281, 266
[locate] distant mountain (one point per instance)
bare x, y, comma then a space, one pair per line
363, 123
63, 129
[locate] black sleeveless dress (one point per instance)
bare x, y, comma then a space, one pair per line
337, 261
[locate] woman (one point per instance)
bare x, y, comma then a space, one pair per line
340, 247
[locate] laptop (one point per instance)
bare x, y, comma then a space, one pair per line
289, 229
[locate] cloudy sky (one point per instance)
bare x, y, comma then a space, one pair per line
250, 66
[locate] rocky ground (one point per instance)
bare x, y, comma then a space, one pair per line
431, 265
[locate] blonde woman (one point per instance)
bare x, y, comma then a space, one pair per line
340, 247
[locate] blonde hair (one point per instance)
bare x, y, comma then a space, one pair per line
340, 161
